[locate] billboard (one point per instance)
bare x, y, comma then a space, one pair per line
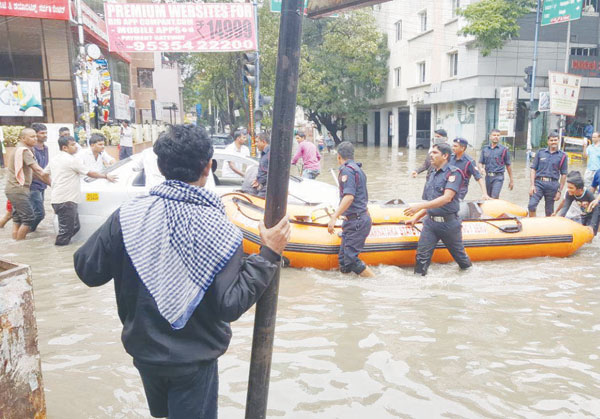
322, 8
180, 27
564, 92
21, 98
40, 9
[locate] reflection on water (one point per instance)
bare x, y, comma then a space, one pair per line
504, 339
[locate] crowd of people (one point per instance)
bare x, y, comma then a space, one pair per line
30, 172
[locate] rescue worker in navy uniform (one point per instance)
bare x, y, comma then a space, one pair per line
353, 206
467, 166
493, 160
548, 174
440, 208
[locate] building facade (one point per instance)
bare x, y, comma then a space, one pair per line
439, 79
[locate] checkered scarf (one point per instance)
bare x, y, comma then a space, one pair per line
178, 239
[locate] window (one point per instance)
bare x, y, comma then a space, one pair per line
145, 78
399, 30
421, 72
397, 75
585, 52
455, 7
423, 20
453, 64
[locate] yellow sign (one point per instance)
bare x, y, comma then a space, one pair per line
92, 196
575, 157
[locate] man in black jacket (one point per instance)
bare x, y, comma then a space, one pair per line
180, 277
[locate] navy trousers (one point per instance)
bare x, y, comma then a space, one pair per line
354, 235
450, 233
189, 392
493, 185
546, 190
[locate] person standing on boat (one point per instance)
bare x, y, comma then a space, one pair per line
440, 136
354, 198
548, 174
441, 210
494, 159
467, 166
311, 158
180, 276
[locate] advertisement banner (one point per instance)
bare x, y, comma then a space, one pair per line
21, 98
40, 9
180, 27
507, 112
564, 92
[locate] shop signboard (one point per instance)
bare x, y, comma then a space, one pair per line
564, 92
584, 66
507, 112
39, 9
21, 98
180, 27
557, 11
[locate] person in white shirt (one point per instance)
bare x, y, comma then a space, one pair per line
65, 171
94, 157
148, 162
231, 169
126, 144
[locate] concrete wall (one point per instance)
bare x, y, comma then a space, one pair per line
21, 384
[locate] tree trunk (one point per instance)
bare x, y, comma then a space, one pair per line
328, 122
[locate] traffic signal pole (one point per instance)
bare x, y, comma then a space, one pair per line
257, 90
533, 74
284, 110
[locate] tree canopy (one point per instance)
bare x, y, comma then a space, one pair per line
493, 22
343, 66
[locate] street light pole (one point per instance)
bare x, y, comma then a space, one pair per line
533, 74
257, 92
284, 110
85, 88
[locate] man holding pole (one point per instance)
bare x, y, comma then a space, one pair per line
180, 276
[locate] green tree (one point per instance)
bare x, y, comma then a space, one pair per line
343, 67
493, 22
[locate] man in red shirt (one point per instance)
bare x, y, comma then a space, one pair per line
311, 158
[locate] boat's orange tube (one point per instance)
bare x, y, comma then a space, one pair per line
393, 243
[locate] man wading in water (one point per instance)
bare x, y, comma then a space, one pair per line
180, 276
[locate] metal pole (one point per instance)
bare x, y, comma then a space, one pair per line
286, 88
257, 93
563, 118
533, 76
84, 74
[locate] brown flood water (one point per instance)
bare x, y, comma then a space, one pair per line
504, 339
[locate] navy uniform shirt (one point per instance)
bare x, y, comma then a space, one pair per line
495, 159
353, 181
466, 164
263, 166
41, 155
448, 177
552, 165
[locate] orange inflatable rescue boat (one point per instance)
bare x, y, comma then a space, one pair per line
391, 242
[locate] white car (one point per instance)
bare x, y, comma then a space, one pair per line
101, 198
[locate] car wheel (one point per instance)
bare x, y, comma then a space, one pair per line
420, 147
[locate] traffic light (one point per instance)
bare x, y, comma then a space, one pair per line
528, 78
249, 68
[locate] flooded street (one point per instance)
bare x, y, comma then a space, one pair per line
504, 339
